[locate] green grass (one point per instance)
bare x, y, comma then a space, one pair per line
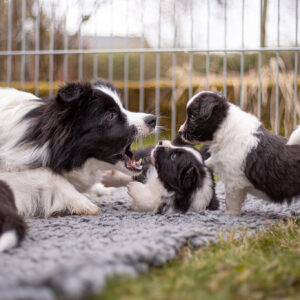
264, 266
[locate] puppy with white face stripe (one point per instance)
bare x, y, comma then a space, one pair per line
247, 157
175, 181
51, 150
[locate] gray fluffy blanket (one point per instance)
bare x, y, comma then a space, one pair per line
73, 256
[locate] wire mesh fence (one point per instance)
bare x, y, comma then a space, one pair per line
159, 53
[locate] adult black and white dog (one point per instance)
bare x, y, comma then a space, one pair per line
247, 157
51, 149
174, 179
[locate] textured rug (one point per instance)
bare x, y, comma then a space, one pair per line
74, 256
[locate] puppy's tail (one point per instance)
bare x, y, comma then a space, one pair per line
12, 226
295, 137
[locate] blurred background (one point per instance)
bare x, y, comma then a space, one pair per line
159, 52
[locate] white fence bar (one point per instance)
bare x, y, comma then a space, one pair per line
146, 50
66, 46
142, 66
296, 69
51, 47
277, 71
111, 58
207, 44
37, 47
157, 75
80, 58
9, 42
225, 50
174, 63
242, 57
95, 56
191, 56
126, 59
23, 58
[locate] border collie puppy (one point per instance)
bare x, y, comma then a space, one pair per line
51, 149
174, 179
247, 157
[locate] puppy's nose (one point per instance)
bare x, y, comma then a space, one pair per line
160, 143
150, 121
180, 132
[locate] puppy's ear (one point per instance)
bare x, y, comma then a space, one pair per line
188, 178
73, 93
208, 105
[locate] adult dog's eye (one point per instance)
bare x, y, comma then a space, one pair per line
111, 115
173, 156
192, 117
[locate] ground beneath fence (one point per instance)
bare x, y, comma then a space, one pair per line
73, 256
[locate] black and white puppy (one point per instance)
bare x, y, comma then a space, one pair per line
51, 149
174, 179
247, 157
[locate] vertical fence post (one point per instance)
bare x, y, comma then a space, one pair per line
37, 48
95, 56
110, 57
142, 62
66, 47
80, 58
207, 44
23, 58
173, 121
157, 74
242, 57
296, 69
225, 48
191, 55
9, 42
51, 47
277, 71
126, 59
259, 63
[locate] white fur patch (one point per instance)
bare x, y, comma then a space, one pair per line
134, 118
295, 137
8, 240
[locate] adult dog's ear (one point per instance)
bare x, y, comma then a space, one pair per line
188, 178
73, 93
208, 104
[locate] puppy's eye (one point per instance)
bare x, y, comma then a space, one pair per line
173, 156
111, 115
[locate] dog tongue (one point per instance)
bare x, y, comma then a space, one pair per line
136, 165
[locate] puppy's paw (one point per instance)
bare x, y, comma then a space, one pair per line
98, 190
232, 212
113, 178
139, 194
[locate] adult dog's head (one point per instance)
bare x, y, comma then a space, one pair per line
85, 120
205, 113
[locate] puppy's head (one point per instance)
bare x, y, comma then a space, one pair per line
205, 113
88, 120
180, 168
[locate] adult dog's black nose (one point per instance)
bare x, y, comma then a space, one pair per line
150, 121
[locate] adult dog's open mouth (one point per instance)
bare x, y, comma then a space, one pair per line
130, 163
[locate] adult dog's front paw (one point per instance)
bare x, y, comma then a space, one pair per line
83, 206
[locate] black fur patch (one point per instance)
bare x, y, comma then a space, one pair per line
80, 122
274, 167
204, 116
9, 219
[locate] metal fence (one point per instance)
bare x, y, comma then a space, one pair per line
191, 50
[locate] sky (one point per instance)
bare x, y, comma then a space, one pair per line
141, 18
